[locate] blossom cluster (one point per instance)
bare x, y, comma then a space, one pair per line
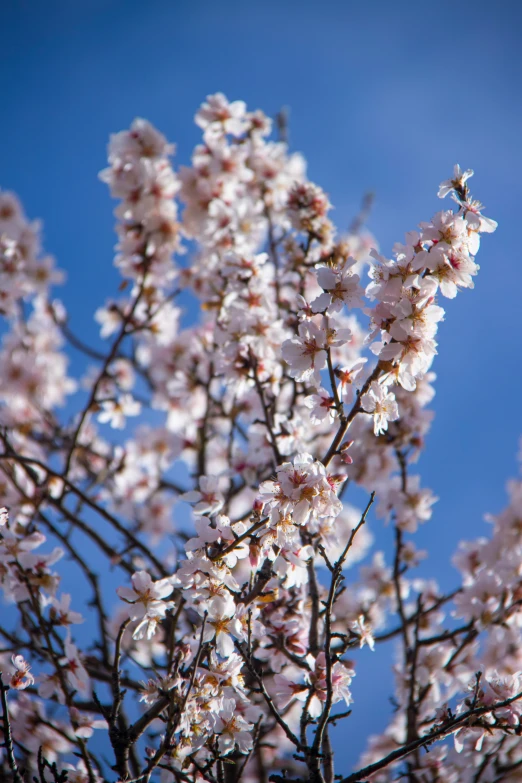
220, 515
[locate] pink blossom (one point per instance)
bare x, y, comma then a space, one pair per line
381, 403
21, 677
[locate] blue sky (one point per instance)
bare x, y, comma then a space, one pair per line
382, 96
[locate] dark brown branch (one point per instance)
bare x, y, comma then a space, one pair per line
345, 423
332, 594
8, 738
438, 733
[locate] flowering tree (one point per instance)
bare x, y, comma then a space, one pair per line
223, 656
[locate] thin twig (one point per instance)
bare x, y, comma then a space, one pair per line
8, 737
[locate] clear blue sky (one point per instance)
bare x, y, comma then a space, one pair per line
385, 96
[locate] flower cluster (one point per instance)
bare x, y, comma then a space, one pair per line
221, 513
141, 176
